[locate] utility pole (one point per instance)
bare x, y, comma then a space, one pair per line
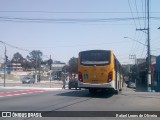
134, 57
36, 69
50, 71
148, 52
50, 62
5, 60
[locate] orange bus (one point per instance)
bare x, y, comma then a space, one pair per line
99, 70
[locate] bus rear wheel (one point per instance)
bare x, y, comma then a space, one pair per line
116, 92
113, 91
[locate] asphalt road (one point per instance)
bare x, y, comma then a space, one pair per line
80, 100
77, 100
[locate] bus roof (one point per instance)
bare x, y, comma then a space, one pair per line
96, 50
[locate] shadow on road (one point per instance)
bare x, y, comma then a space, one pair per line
85, 93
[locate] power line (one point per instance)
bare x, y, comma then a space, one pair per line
145, 22
69, 20
131, 51
75, 45
16, 47
26, 50
132, 14
137, 13
143, 50
143, 12
139, 38
78, 12
22, 49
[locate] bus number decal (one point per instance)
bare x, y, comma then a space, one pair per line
85, 76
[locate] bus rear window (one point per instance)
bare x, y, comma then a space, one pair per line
95, 57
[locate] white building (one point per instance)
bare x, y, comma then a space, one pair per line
17, 67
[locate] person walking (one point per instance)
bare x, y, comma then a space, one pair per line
63, 80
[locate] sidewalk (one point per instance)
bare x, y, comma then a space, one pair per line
140, 91
46, 84
141, 88
19, 81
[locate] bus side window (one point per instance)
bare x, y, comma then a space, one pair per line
115, 64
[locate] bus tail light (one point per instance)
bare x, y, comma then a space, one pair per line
80, 78
110, 76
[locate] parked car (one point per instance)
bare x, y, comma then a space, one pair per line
73, 83
55, 78
131, 84
28, 79
127, 81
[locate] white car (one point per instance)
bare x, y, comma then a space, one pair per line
131, 84
28, 79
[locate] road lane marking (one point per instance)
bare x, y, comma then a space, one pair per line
32, 88
20, 92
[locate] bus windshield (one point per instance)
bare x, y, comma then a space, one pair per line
95, 57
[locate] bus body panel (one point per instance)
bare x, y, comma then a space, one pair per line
110, 85
96, 76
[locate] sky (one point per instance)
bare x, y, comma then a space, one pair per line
63, 28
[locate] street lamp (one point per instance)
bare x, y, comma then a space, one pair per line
4, 63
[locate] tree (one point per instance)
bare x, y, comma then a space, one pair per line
17, 58
126, 70
66, 68
35, 57
26, 64
50, 62
73, 65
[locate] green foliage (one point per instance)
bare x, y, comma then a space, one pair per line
26, 64
17, 58
126, 69
73, 65
35, 57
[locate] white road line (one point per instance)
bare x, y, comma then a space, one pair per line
35, 88
20, 93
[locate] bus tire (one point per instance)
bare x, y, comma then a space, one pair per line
116, 92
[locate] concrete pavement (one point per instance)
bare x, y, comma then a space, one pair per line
140, 91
